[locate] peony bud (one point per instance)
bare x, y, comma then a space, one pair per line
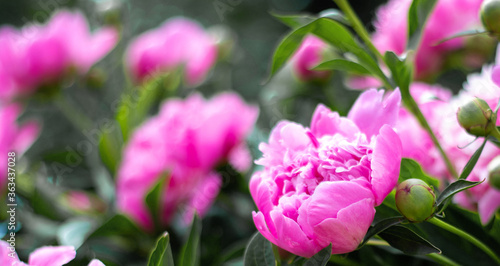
415, 200
494, 173
477, 118
490, 16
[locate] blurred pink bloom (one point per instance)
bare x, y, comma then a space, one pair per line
179, 42
79, 200
320, 185
38, 55
440, 109
186, 141
309, 55
13, 137
448, 18
44, 256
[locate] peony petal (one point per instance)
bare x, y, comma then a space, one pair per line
203, 197
371, 111
52, 256
386, 163
291, 237
488, 205
329, 199
349, 228
495, 75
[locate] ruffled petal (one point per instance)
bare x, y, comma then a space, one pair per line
326, 122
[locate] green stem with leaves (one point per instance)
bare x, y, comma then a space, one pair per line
358, 26
450, 228
409, 101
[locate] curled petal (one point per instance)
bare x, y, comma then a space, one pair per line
370, 111
348, 229
326, 122
96, 262
386, 163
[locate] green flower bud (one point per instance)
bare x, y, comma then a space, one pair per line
490, 16
494, 173
477, 118
415, 200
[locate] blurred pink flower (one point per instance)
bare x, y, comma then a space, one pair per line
309, 55
44, 256
448, 18
13, 137
187, 140
320, 185
38, 55
179, 42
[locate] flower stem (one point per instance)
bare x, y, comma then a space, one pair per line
450, 228
415, 110
358, 26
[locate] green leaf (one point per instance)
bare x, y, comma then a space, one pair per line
411, 169
462, 34
380, 227
321, 258
259, 252
331, 32
190, 255
117, 225
453, 189
472, 161
162, 254
153, 197
408, 241
110, 148
298, 20
417, 16
343, 65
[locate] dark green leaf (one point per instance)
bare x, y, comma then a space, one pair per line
380, 227
190, 255
462, 34
298, 20
343, 65
408, 241
411, 169
259, 252
472, 162
162, 254
454, 188
153, 198
417, 16
321, 258
117, 225
331, 32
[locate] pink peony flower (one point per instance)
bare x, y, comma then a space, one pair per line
38, 55
309, 55
187, 140
44, 256
448, 18
13, 138
320, 185
178, 42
